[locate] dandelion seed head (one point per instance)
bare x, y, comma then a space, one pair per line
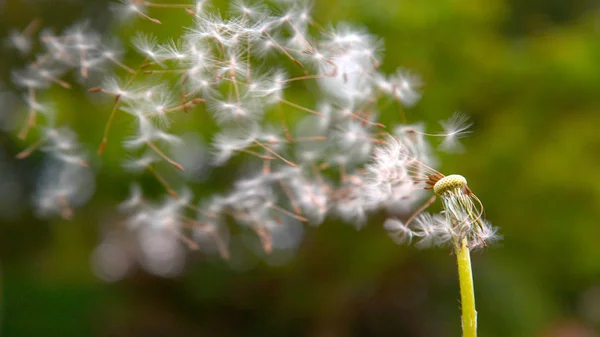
448, 183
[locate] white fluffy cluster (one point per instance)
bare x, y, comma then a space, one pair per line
437, 230
66, 181
307, 154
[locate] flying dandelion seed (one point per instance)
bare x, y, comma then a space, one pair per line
301, 157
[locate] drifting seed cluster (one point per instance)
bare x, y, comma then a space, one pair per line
324, 154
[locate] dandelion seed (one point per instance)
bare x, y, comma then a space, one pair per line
147, 45
403, 85
398, 231
455, 128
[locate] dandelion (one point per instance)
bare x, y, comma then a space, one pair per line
237, 77
461, 224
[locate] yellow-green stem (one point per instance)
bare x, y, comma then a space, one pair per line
467, 295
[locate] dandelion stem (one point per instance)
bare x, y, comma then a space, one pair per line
467, 294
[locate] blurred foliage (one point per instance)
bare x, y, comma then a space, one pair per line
528, 72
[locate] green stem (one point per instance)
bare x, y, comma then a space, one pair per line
467, 295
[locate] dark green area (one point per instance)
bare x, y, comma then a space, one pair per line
528, 72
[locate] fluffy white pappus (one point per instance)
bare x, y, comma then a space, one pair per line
147, 133
202, 84
257, 182
403, 85
270, 136
61, 139
52, 42
212, 237
294, 21
248, 9
79, 47
125, 9
352, 206
199, 5
172, 206
265, 43
211, 209
234, 65
389, 157
117, 87
345, 37
139, 164
346, 76
37, 77
21, 42
230, 34
254, 202
455, 127
485, 235
398, 231
197, 55
226, 112
286, 173
413, 139
161, 253
433, 230
269, 87
112, 50
62, 144
389, 177
174, 50
396, 196
155, 102
62, 187
147, 45
45, 108
313, 198
354, 141
164, 217
134, 200
231, 140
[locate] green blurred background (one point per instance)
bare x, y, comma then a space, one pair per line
528, 72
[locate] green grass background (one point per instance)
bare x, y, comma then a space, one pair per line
528, 72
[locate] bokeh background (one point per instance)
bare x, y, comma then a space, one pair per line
526, 71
